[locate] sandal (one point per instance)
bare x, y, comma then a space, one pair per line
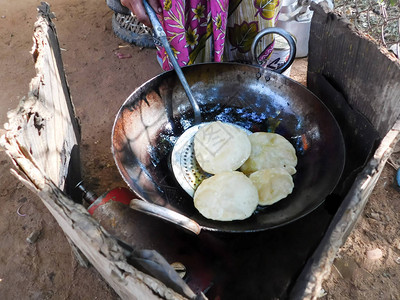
129, 29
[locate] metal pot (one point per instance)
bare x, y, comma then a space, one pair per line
154, 116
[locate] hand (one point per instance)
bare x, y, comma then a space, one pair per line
137, 7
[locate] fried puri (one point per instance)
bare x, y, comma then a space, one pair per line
226, 196
221, 147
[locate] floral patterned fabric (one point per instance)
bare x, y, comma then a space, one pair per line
216, 30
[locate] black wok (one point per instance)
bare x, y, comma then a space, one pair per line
155, 115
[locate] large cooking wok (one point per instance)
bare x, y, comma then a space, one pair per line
155, 115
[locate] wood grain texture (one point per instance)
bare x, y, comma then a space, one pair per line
367, 75
44, 122
318, 267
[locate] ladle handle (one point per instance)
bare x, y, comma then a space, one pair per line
160, 34
165, 214
286, 36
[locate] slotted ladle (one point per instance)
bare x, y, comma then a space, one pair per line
153, 209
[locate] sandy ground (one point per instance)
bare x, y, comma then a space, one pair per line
99, 83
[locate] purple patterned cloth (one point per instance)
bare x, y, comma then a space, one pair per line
215, 30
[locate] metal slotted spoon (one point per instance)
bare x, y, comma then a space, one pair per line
179, 152
184, 165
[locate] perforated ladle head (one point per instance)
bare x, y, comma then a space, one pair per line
184, 164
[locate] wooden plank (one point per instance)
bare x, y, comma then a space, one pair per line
318, 267
47, 128
367, 75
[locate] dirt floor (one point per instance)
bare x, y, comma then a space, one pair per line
368, 265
